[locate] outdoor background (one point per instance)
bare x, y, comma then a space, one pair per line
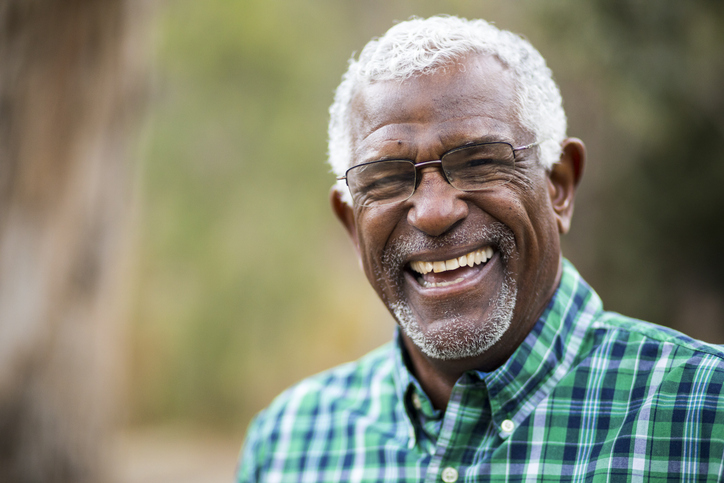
247, 283
239, 280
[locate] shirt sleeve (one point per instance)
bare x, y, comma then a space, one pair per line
248, 466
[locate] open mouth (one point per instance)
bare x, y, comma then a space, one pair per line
449, 272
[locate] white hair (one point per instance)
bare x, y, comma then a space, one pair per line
424, 46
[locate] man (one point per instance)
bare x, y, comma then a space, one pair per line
456, 180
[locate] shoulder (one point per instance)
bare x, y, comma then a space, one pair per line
343, 384
631, 342
637, 330
323, 402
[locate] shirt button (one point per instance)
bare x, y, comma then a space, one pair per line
507, 426
449, 475
416, 401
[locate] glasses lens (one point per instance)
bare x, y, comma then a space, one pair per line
480, 166
381, 182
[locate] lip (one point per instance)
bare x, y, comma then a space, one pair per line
456, 288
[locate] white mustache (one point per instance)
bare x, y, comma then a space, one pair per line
496, 235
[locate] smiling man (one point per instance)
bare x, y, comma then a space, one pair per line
455, 182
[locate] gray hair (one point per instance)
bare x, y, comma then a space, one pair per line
424, 46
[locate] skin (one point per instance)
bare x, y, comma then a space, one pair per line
420, 119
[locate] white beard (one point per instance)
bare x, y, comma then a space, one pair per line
459, 338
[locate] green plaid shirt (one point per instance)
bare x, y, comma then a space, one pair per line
589, 396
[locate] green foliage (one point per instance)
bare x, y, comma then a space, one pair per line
235, 189
663, 72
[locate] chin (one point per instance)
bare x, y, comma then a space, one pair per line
459, 336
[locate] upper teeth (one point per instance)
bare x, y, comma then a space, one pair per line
473, 258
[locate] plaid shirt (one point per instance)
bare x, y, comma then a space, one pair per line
589, 396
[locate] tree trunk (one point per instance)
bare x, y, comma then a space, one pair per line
71, 85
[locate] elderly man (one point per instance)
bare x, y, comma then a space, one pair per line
456, 180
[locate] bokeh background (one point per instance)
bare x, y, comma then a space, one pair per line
241, 281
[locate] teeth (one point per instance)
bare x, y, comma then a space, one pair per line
427, 284
471, 259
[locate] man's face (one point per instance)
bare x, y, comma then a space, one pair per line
508, 233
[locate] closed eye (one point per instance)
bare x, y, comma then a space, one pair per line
471, 163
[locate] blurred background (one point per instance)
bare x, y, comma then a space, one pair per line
168, 259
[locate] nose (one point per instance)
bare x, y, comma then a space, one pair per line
436, 206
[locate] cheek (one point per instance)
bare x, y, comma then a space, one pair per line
373, 232
529, 214
510, 208
542, 240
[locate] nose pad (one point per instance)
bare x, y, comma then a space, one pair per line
436, 205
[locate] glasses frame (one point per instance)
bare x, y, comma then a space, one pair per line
433, 162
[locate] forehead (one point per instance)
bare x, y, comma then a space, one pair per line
472, 99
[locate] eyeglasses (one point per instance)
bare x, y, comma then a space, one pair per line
467, 168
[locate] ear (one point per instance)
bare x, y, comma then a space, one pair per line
345, 214
563, 179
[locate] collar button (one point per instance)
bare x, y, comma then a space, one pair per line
449, 475
416, 401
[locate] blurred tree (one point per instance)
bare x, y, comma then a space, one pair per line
70, 86
665, 67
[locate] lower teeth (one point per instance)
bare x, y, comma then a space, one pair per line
427, 284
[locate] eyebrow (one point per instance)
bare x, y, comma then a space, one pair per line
487, 138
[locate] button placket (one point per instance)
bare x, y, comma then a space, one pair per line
411, 436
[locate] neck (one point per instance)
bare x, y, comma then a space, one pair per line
437, 377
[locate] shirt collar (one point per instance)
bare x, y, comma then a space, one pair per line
406, 384
534, 369
547, 353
